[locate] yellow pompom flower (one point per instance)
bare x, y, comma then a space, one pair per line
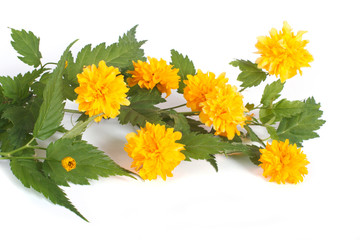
283, 162
224, 109
68, 163
101, 90
283, 53
199, 85
155, 73
155, 151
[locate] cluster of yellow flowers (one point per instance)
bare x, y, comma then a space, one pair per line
102, 90
220, 105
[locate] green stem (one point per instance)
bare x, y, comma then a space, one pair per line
266, 139
30, 158
36, 147
257, 107
48, 64
189, 113
171, 108
72, 111
242, 89
8, 154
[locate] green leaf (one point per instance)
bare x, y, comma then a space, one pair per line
254, 154
251, 151
23, 123
196, 126
203, 146
185, 66
271, 93
302, 126
253, 136
267, 116
272, 132
141, 108
180, 122
250, 106
283, 108
286, 108
79, 128
120, 55
17, 89
27, 45
70, 79
91, 163
51, 111
30, 174
213, 162
250, 75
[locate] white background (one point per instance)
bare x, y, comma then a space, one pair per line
198, 203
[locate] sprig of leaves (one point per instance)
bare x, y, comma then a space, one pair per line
250, 75
27, 45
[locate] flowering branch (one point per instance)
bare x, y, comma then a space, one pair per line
118, 81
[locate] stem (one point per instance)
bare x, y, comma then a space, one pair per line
242, 89
72, 111
8, 154
48, 64
266, 139
235, 153
189, 113
36, 147
30, 158
171, 108
257, 107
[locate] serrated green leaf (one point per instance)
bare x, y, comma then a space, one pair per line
271, 93
79, 128
141, 108
30, 174
286, 108
196, 126
253, 136
250, 75
23, 122
180, 122
185, 66
17, 89
70, 82
138, 115
51, 111
251, 151
203, 146
302, 126
91, 163
27, 45
276, 111
254, 154
213, 162
250, 106
272, 132
3, 101
267, 116
120, 55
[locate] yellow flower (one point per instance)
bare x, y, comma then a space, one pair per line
101, 90
154, 151
68, 163
224, 109
283, 53
283, 162
155, 73
199, 85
